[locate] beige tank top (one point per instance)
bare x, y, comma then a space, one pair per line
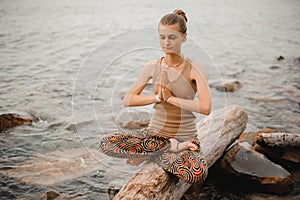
169, 120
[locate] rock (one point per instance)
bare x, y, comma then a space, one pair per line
50, 195
53, 195
217, 132
54, 167
274, 67
257, 170
227, 86
133, 118
11, 120
287, 156
279, 58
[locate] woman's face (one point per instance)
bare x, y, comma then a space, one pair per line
171, 39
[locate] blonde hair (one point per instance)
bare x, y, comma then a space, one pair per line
178, 16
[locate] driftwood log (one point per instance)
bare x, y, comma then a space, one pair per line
279, 139
216, 133
283, 148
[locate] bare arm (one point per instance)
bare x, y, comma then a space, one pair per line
203, 103
133, 97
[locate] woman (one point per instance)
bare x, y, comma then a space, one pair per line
170, 139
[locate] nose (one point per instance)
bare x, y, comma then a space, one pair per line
167, 42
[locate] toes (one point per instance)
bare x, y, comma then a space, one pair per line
193, 147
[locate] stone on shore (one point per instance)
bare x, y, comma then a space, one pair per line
54, 167
53, 195
256, 169
11, 120
285, 153
133, 118
227, 85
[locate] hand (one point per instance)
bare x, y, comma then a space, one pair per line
165, 91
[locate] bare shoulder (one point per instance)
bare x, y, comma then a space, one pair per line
151, 63
149, 67
198, 69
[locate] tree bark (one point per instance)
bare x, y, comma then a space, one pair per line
279, 139
216, 132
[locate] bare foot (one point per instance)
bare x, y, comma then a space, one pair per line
136, 161
181, 146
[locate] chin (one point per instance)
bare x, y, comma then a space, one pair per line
168, 51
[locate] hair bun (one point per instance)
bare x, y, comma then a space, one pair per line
181, 13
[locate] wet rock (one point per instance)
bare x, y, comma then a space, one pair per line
256, 169
11, 120
288, 156
54, 167
50, 195
133, 118
279, 58
274, 67
227, 86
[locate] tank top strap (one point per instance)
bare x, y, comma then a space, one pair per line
187, 69
157, 71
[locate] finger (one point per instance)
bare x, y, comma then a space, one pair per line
163, 93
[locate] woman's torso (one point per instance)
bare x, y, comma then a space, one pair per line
169, 120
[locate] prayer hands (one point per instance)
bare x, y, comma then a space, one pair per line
164, 92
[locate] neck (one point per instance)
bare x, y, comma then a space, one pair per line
173, 59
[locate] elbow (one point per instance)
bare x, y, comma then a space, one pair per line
205, 110
125, 104
127, 101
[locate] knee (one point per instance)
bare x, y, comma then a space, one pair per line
194, 176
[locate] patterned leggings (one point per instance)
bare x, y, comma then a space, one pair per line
187, 165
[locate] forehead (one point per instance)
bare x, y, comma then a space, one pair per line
168, 29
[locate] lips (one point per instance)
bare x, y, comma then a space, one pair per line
167, 48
